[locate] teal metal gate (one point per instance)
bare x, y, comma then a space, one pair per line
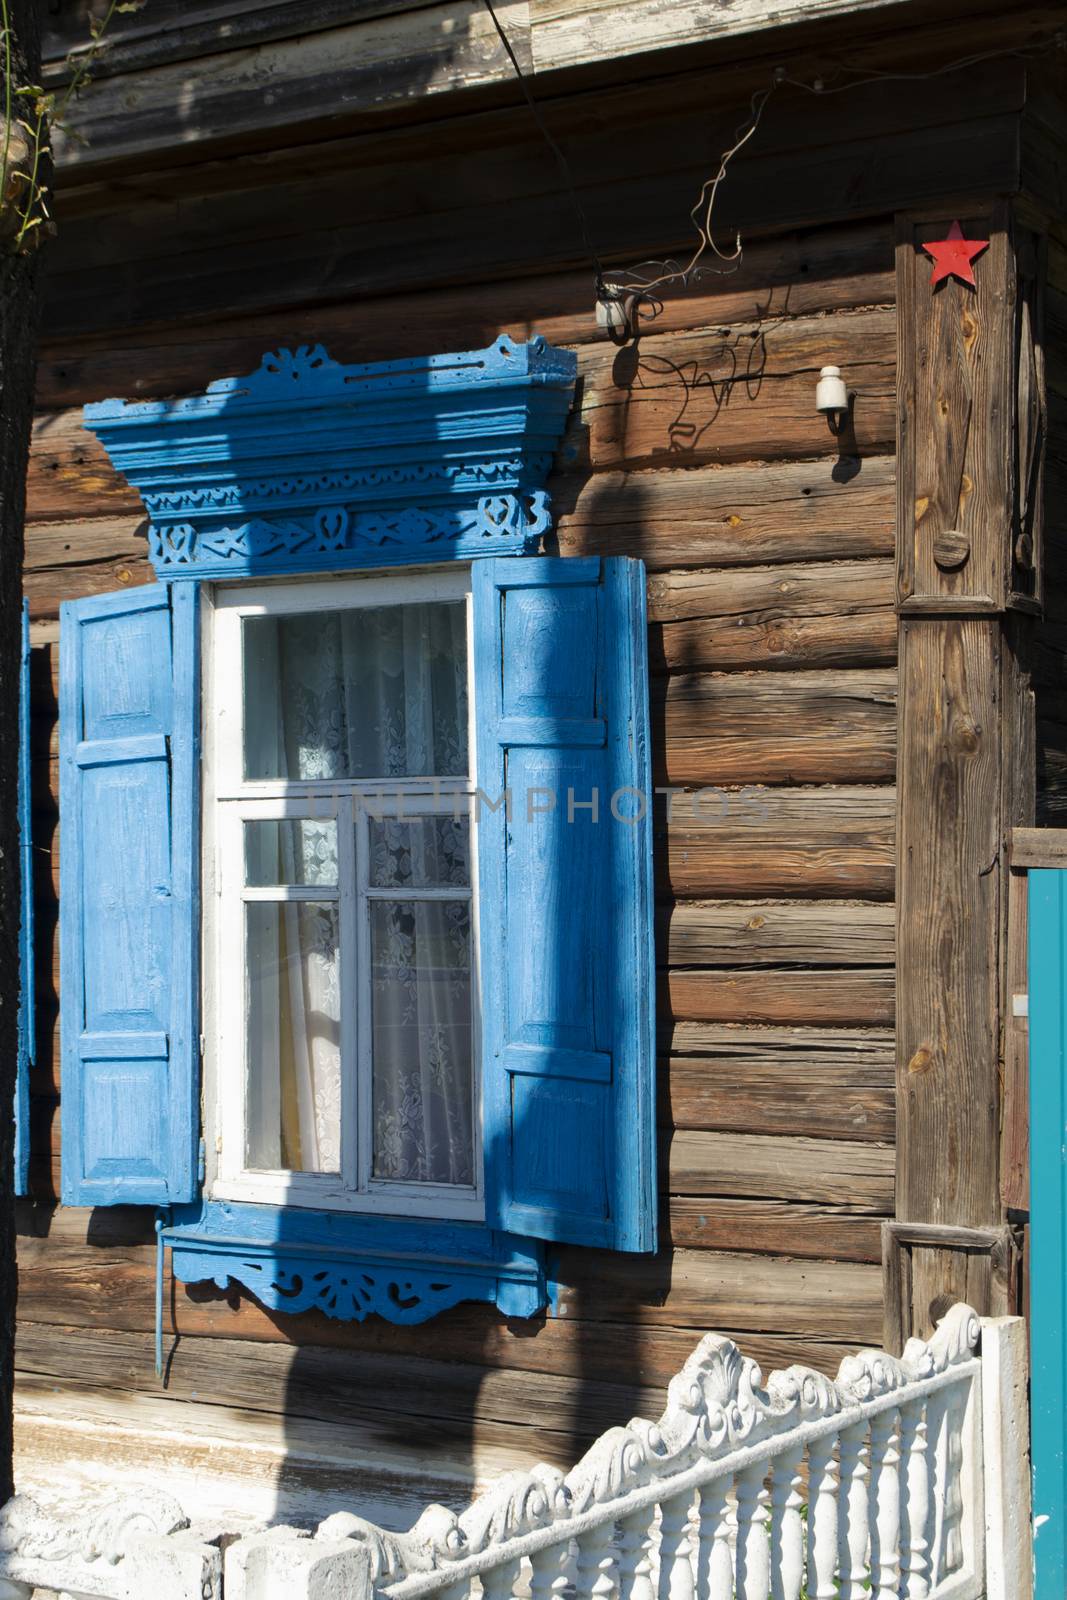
1048, 1224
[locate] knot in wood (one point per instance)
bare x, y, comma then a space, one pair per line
965, 737
922, 1060
951, 549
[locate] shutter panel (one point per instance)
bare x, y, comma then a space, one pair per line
129, 759
565, 900
26, 1041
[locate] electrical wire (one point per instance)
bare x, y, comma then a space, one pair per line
868, 75
623, 281
700, 217
631, 288
564, 164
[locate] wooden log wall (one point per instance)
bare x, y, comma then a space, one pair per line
769, 548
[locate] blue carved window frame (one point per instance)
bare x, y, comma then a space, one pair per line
307, 467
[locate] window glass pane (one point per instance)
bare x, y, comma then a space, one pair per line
291, 850
294, 1037
423, 853
372, 692
422, 1043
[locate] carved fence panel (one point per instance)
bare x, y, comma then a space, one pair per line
867, 1487
876, 1485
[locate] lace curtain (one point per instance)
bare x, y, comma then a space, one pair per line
369, 693
421, 1004
379, 692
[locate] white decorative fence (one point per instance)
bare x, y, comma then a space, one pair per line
873, 1486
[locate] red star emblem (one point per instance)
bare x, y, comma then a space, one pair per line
952, 257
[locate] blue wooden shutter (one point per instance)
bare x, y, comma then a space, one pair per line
128, 896
565, 899
26, 1050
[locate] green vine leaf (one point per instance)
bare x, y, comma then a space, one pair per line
24, 211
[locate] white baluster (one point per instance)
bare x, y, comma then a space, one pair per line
885, 1500
635, 1566
953, 1529
499, 1583
456, 1591
675, 1549
853, 1523
915, 1503
937, 1465
787, 1526
594, 1579
715, 1563
822, 1519
753, 1546
546, 1579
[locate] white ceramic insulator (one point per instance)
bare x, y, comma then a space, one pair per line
830, 391
615, 314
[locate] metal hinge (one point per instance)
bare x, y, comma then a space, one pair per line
201, 1162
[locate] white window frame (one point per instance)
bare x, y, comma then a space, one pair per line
228, 802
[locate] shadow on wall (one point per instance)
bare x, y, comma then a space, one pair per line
432, 1411
372, 1417
379, 1418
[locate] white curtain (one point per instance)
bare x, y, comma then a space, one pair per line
369, 693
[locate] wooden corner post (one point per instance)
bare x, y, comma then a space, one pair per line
968, 564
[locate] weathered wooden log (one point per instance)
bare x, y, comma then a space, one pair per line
69, 474
813, 727
707, 517
865, 1052
818, 842
840, 1299
851, 1173
63, 548
857, 640
750, 933
825, 614
387, 238
119, 1293
817, 270
46, 590
727, 516
272, 1376
696, 1093
730, 394
774, 1227
855, 995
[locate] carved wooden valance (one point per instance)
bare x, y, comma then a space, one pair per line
308, 465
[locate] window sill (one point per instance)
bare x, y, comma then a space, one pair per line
319, 1193
350, 1266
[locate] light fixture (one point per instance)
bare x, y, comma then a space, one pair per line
832, 398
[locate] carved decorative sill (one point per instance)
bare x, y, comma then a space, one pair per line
350, 1266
